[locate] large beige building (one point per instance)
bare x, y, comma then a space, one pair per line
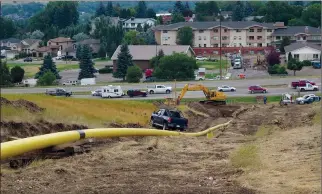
236, 34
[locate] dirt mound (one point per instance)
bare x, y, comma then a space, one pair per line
26, 129
127, 125
214, 111
30, 106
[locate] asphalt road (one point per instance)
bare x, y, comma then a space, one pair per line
239, 84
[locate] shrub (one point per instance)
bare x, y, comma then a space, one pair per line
134, 74
47, 79
306, 63
105, 70
277, 69
17, 74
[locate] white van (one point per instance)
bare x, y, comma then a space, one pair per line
112, 92
30, 82
88, 81
71, 83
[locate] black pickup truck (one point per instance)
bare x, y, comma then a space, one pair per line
169, 119
58, 92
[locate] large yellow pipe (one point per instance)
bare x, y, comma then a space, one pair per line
20, 146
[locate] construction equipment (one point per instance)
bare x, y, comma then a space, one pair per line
213, 97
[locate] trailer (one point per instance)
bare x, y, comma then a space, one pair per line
112, 92
87, 81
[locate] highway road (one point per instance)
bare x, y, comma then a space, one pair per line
239, 84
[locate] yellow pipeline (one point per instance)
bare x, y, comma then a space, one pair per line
20, 146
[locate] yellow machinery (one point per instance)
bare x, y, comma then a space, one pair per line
212, 96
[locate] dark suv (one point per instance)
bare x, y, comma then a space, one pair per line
256, 89
133, 93
28, 59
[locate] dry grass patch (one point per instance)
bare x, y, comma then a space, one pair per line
246, 157
92, 112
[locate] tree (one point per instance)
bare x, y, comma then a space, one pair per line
289, 57
139, 28
187, 11
48, 65
134, 74
109, 9
37, 34
79, 51
273, 58
132, 38
296, 22
159, 20
80, 36
141, 10
312, 15
294, 65
102, 51
146, 27
185, 36
86, 64
277, 69
285, 42
176, 66
147, 37
177, 17
5, 77
17, 74
178, 8
47, 79
8, 29
124, 60
156, 60
238, 13
150, 13
100, 10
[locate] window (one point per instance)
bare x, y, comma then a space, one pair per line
216, 30
259, 37
165, 31
199, 37
199, 45
239, 37
225, 38
268, 37
235, 45
296, 56
225, 30
259, 45
304, 37
259, 30
200, 31
116, 90
132, 24
215, 45
215, 37
251, 37
235, 37
278, 38
315, 56
224, 45
204, 45
269, 30
205, 38
251, 30
238, 30
215, 52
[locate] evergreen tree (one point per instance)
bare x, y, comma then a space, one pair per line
139, 28
124, 60
178, 7
48, 65
289, 56
5, 77
238, 13
100, 10
86, 64
141, 10
79, 51
109, 9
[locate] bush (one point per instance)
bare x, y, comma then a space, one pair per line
306, 63
47, 79
277, 69
134, 74
17, 74
105, 70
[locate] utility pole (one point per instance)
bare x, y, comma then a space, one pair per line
220, 44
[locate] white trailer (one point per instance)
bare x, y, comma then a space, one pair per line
88, 81
30, 82
112, 92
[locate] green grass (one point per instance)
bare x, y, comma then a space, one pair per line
245, 157
209, 65
211, 75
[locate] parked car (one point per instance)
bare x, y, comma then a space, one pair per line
166, 119
58, 58
201, 58
256, 89
159, 89
316, 64
301, 82
226, 89
58, 92
28, 59
308, 99
308, 87
132, 93
150, 79
97, 92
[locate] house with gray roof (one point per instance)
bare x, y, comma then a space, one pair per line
142, 54
10, 46
133, 23
303, 51
29, 46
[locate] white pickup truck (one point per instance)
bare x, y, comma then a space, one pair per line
308, 87
159, 89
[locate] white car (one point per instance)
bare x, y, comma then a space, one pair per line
201, 58
97, 92
226, 89
299, 99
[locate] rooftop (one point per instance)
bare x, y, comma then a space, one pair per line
147, 52
138, 20
61, 39
291, 30
11, 40
299, 45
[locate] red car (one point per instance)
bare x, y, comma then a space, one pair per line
132, 93
256, 89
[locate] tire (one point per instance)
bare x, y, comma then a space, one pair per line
151, 92
165, 126
264, 91
252, 92
302, 90
232, 90
167, 92
152, 123
220, 90
315, 89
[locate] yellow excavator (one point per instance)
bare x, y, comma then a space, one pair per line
212, 96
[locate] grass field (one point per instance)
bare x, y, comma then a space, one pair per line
212, 65
81, 111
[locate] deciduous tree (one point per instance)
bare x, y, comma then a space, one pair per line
47, 79
5, 77
17, 74
294, 65
185, 36
273, 58
134, 74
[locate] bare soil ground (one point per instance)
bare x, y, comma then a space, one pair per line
186, 165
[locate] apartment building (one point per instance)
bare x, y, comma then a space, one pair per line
236, 34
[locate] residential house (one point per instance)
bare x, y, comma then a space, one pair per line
133, 23
57, 47
226, 14
93, 43
303, 51
29, 46
142, 54
167, 17
47, 50
10, 47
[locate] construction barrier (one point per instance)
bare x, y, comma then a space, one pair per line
20, 146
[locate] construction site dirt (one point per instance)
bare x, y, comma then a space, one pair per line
155, 164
